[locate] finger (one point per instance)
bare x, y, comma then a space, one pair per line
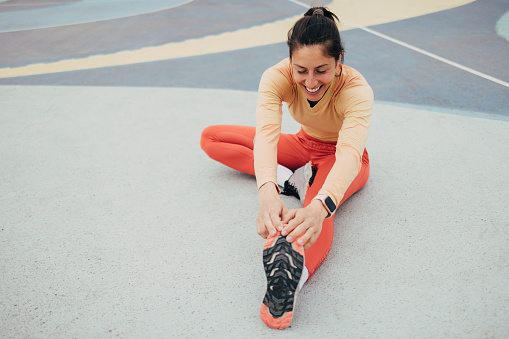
262, 233
264, 220
284, 211
292, 226
270, 223
311, 241
276, 221
297, 232
293, 223
305, 237
289, 215
260, 228
281, 222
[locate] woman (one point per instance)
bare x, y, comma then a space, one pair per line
333, 103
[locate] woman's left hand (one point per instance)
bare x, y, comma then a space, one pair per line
305, 223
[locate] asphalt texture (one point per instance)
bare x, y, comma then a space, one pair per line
114, 223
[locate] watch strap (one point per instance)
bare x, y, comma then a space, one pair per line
327, 202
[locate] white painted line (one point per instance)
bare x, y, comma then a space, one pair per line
300, 3
431, 55
417, 49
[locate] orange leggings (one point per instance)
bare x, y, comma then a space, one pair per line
233, 147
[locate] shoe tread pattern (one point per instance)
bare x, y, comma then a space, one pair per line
283, 267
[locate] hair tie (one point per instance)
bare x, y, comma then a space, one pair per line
318, 11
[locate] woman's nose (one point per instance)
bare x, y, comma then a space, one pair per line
311, 82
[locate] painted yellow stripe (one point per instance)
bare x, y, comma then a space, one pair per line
364, 13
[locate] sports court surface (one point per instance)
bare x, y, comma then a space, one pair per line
113, 222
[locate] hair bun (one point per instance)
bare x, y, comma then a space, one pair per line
318, 11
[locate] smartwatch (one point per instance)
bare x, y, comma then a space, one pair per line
327, 202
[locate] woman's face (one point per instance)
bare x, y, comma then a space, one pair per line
313, 71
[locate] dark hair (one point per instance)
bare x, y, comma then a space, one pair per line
317, 27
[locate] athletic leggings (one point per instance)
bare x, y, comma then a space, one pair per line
233, 147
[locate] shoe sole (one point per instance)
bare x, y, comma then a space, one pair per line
283, 263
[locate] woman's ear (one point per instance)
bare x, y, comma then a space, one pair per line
338, 64
339, 60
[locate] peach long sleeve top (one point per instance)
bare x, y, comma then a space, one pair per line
342, 115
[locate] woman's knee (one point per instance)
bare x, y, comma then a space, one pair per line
207, 137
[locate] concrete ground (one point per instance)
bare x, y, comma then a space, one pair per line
114, 223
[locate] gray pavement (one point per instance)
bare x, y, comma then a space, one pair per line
114, 223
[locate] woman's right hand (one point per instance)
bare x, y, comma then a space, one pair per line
271, 210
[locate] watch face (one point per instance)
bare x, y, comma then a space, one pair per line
330, 204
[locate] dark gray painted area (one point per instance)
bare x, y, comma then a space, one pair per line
193, 20
399, 74
464, 34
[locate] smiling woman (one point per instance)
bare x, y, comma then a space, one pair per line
315, 51
313, 71
323, 164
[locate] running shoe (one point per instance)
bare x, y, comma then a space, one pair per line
284, 264
299, 182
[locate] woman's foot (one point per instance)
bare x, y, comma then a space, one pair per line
284, 265
299, 182
283, 174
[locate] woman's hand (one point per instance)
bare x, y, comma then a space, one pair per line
305, 223
271, 210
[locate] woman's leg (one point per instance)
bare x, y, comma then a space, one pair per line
316, 254
230, 145
233, 146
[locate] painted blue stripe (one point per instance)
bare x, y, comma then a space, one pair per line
502, 26
84, 11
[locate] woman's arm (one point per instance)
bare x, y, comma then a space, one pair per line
274, 88
357, 104
271, 210
306, 223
